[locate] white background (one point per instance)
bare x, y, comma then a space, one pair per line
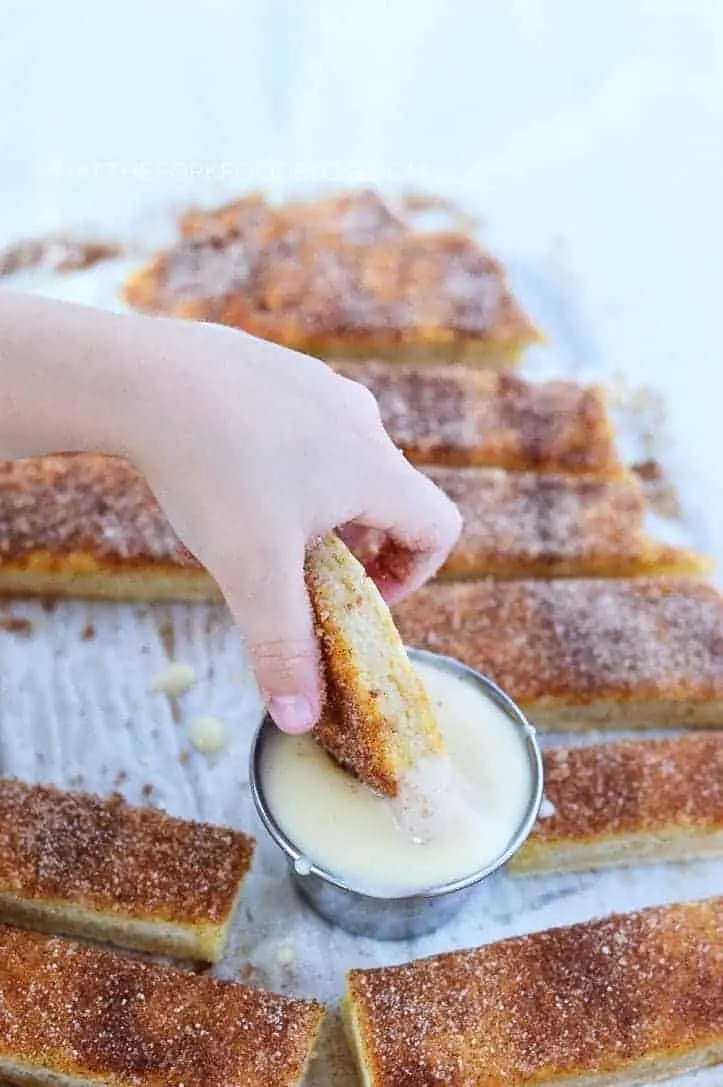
588, 135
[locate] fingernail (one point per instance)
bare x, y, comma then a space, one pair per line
291, 713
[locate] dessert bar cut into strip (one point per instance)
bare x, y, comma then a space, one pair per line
72, 1015
86, 525
378, 720
583, 653
628, 802
526, 524
76, 864
344, 277
460, 417
626, 1000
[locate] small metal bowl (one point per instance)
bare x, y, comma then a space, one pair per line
403, 918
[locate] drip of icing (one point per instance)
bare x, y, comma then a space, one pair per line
435, 800
302, 866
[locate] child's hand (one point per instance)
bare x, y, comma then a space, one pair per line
253, 451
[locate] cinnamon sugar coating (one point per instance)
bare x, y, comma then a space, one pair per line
333, 274
525, 524
80, 850
640, 990
377, 720
630, 802
573, 642
357, 217
633, 787
452, 415
78, 1012
83, 503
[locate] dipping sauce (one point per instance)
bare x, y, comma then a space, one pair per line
455, 815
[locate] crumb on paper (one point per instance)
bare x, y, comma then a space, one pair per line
453, 216
207, 734
56, 253
547, 809
644, 411
661, 496
120, 777
147, 791
648, 469
247, 973
659, 492
15, 624
173, 680
168, 638
76, 256
87, 633
20, 256
184, 757
285, 953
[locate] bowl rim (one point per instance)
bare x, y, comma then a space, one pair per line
297, 856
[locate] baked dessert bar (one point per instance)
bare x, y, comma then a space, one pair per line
529, 525
358, 217
378, 720
626, 1000
76, 864
584, 653
72, 1015
86, 525
345, 277
452, 415
627, 803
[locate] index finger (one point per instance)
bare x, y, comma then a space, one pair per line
421, 525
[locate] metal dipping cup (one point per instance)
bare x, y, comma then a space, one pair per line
364, 914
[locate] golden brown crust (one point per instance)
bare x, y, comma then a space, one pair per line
321, 276
646, 794
76, 1011
87, 525
525, 524
80, 574
61, 852
643, 651
633, 991
377, 720
83, 504
246, 213
451, 415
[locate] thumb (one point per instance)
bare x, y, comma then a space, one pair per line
271, 605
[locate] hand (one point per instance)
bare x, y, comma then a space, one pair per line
253, 451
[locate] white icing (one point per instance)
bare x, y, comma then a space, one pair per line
454, 815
